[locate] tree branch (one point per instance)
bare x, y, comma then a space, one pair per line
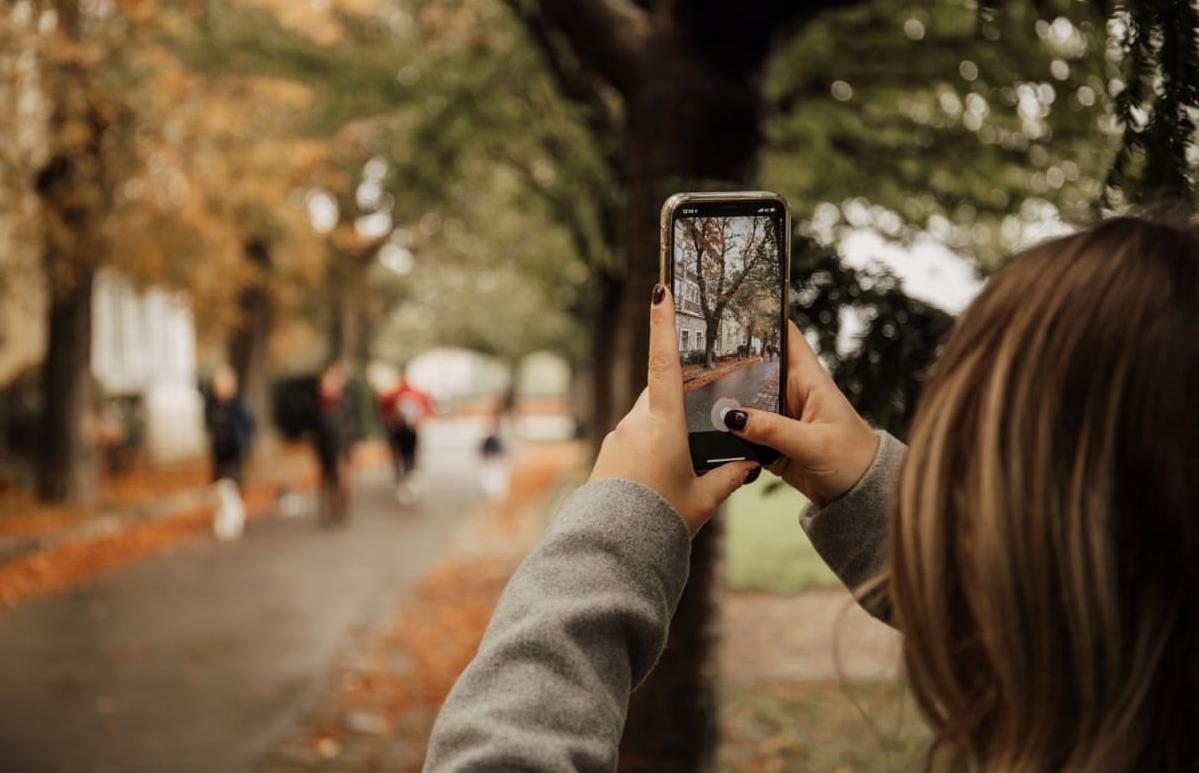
571, 78
747, 265
700, 281
566, 212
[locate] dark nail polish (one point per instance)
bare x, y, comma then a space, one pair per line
659, 293
736, 419
752, 475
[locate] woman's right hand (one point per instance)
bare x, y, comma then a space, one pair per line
826, 445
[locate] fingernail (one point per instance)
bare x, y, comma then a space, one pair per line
659, 293
736, 419
752, 475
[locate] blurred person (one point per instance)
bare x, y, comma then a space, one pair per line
493, 467
104, 425
230, 430
403, 409
1037, 543
333, 436
493, 452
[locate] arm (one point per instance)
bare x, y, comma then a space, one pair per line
850, 533
581, 623
584, 618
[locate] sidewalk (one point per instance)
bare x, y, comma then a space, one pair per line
46, 549
380, 705
696, 376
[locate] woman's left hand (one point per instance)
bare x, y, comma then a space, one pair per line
649, 445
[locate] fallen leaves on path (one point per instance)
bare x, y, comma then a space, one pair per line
60, 567
22, 515
696, 376
69, 563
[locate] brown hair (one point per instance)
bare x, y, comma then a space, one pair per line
1045, 547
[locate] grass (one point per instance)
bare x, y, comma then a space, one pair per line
860, 726
765, 547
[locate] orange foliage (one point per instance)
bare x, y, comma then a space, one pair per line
696, 376
79, 560
82, 560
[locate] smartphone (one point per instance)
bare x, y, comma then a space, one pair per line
726, 258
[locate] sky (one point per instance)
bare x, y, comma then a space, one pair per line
927, 269
739, 232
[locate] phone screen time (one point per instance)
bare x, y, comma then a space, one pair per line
728, 314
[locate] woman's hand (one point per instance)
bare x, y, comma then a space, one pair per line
826, 446
649, 445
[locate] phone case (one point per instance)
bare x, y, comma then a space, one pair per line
667, 215
672, 203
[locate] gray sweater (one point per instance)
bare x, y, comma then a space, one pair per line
585, 616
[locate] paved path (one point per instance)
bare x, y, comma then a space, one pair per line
199, 658
742, 385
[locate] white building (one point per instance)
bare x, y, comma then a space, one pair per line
689, 316
144, 345
733, 336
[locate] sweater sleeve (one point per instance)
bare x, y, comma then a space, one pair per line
580, 624
850, 533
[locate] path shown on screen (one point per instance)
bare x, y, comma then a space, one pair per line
746, 386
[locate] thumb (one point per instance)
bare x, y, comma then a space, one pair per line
794, 439
718, 484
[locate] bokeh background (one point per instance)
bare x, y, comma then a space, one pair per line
466, 192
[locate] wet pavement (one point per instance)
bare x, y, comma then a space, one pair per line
742, 385
199, 658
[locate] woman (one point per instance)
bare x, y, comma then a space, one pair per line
1043, 559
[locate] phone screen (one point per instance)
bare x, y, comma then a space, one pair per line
728, 271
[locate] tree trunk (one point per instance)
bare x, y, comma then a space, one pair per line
691, 125
580, 397
711, 336
353, 310
68, 469
689, 77
672, 723
603, 353
75, 193
349, 340
249, 342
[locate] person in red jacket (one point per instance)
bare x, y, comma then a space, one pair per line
403, 409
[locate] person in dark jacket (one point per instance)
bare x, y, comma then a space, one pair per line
230, 431
230, 427
333, 438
